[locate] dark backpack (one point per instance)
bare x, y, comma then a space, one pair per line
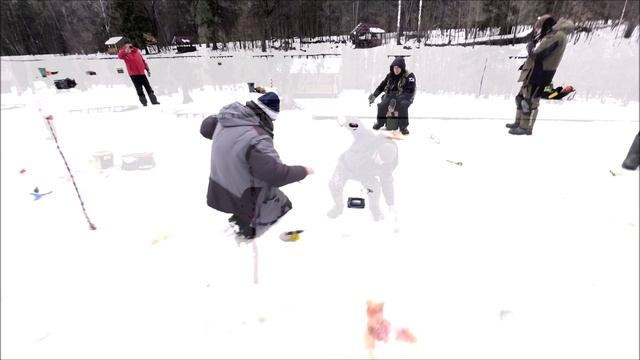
65, 83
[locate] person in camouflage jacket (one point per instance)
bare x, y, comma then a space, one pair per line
545, 52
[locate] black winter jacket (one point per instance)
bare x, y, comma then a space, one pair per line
402, 87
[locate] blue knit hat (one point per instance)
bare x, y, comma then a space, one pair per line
270, 104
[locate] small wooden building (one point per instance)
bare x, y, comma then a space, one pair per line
184, 44
150, 43
366, 36
114, 44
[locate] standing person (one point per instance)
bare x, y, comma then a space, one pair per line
246, 170
399, 84
544, 51
136, 66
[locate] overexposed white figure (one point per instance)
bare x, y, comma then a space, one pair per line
370, 160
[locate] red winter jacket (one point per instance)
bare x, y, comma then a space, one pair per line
134, 61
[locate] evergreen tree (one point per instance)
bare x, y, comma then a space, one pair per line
131, 20
219, 17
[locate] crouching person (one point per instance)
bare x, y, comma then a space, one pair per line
246, 171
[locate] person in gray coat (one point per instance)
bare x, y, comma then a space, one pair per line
246, 170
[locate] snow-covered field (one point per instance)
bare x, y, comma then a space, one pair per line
529, 249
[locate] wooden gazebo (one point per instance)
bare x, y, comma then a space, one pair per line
114, 44
150, 43
184, 44
366, 36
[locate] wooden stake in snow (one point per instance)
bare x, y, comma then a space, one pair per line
53, 133
419, 17
356, 5
255, 261
482, 78
399, 11
622, 14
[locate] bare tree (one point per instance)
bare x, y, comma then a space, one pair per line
53, 26
104, 10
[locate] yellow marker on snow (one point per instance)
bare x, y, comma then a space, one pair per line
291, 236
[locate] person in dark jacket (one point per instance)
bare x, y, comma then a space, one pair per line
399, 84
545, 50
246, 170
136, 66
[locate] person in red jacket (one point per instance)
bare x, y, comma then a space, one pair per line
136, 66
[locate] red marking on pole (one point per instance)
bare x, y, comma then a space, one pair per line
91, 225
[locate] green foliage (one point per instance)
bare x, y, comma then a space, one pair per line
131, 19
219, 17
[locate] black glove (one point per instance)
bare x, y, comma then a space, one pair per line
148, 72
372, 98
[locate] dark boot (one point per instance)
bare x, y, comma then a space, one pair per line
514, 124
247, 232
404, 131
153, 99
519, 131
378, 125
244, 230
632, 160
143, 100
524, 127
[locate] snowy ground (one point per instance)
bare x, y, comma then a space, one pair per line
529, 249
535, 227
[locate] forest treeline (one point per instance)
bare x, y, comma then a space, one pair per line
82, 26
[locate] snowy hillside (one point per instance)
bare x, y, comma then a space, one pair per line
528, 247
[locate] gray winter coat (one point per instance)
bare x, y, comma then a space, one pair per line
402, 86
246, 170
